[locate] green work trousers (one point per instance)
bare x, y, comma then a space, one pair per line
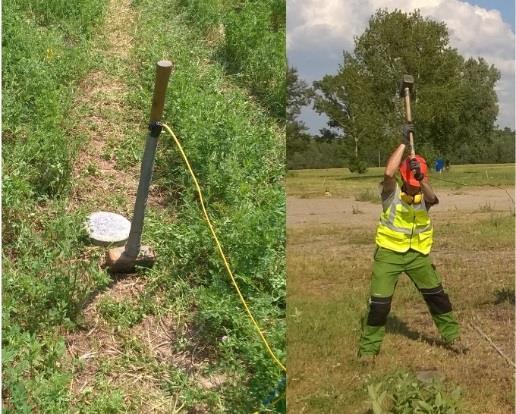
387, 267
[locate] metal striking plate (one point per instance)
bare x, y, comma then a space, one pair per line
106, 228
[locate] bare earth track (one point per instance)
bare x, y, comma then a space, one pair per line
330, 210
100, 348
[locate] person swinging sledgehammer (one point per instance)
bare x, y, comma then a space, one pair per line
404, 241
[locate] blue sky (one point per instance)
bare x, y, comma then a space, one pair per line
505, 7
318, 32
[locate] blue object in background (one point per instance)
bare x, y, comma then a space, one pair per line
439, 165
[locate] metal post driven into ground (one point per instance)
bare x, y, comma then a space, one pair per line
163, 69
132, 248
125, 259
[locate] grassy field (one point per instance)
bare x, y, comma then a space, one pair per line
174, 338
328, 276
340, 182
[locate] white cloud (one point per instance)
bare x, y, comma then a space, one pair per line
317, 32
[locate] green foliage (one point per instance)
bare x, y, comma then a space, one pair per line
46, 48
108, 401
455, 99
251, 44
77, 21
120, 314
298, 140
237, 152
298, 95
357, 165
499, 149
45, 51
403, 393
44, 286
31, 377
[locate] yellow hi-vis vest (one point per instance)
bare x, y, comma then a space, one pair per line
404, 226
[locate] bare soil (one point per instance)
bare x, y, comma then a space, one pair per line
348, 211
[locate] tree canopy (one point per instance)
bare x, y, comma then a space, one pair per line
455, 103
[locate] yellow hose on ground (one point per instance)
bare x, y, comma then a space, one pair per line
221, 252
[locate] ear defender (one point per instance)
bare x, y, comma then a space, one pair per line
411, 199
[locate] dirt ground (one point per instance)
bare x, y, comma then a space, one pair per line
348, 211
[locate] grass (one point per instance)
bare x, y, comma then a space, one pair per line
241, 176
341, 183
328, 281
248, 40
174, 337
46, 280
368, 195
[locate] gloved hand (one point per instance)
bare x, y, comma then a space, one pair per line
416, 168
407, 128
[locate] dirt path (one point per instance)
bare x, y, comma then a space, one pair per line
101, 185
105, 117
347, 211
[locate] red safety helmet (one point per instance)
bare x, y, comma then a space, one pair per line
408, 175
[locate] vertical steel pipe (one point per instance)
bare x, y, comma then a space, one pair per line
133, 245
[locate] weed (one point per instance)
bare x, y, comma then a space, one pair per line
92, 170
120, 314
356, 210
402, 393
504, 295
486, 208
368, 195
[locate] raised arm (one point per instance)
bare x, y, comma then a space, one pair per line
393, 164
428, 193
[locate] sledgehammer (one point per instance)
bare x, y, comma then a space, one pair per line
406, 88
124, 259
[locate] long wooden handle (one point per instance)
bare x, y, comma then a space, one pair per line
408, 117
163, 70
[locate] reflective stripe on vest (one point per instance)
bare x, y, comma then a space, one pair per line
404, 226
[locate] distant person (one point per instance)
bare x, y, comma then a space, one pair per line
404, 239
439, 165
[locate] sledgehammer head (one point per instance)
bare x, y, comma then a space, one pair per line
406, 82
117, 260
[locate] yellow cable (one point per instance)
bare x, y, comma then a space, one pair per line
201, 199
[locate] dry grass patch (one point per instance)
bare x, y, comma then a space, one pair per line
328, 281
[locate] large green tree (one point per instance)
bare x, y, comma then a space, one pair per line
455, 102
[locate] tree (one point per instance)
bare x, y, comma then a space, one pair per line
454, 103
298, 95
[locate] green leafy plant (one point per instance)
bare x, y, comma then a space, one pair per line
356, 165
403, 393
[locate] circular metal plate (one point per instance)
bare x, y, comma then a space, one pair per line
106, 228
